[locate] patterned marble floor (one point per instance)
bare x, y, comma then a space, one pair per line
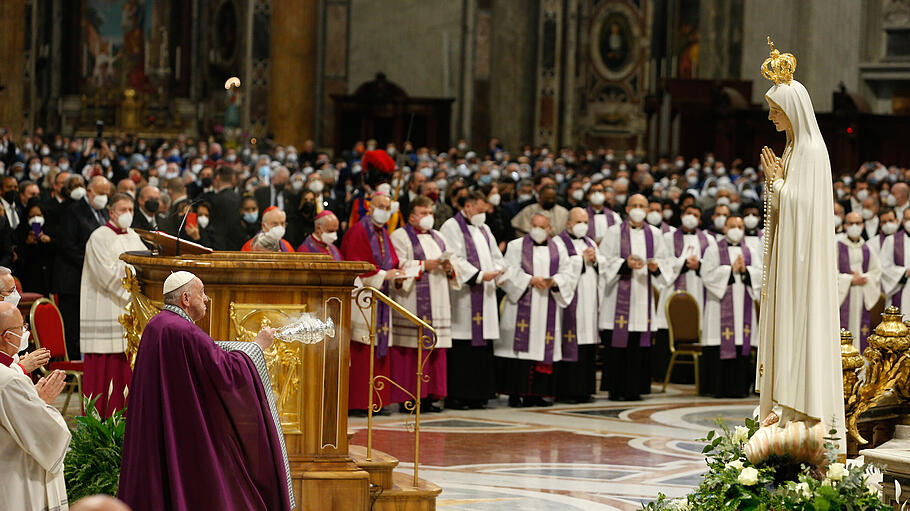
598, 456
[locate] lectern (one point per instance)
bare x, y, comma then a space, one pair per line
249, 290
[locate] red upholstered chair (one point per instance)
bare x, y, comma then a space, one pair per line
26, 298
47, 329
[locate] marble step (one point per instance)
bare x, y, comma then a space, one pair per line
380, 467
403, 496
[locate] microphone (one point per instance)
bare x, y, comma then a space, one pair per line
189, 208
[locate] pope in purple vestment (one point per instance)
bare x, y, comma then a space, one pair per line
202, 429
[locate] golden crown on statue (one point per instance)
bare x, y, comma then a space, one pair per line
778, 68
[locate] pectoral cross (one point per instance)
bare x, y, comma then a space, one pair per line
426, 318
622, 322
385, 329
747, 331
570, 336
548, 338
727, 333
478, 318
523, 325
864, 330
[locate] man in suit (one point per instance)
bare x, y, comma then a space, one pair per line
9, 189
69, 233
225, 227
147, 216
278, 193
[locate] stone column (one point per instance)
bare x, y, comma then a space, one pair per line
12, 65
292, 91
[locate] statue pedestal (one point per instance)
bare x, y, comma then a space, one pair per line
894, 458
310, 381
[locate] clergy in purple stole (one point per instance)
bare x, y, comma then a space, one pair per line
539, 282
322, 240
637, 261
895, 269
203, 430
858, 280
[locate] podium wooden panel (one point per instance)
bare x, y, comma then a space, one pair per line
248, 289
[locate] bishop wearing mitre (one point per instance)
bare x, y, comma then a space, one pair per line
858, 282
539, 282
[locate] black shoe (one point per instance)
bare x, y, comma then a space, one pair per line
477, 405
383, 412
456, 404
357, 413
530, 401
402, 407
584, 399
515, 402
429, 407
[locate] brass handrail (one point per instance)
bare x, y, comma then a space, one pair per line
377, 383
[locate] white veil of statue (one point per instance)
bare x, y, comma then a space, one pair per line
799, 372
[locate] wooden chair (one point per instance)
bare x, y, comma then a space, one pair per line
47, 329
684, 321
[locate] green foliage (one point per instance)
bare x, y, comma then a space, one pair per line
92, 464
778, 483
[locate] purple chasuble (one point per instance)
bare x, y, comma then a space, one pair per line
476, 289
424, 308
523, 316
678, 244
201, 433
569, 315
314, 247
843, 266
384, 257
592, 229
624, 291
727, 318
898, 261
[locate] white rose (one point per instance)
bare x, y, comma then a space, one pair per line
803, 490
737, 464
741, 434
836, 471
681, 504
748, 477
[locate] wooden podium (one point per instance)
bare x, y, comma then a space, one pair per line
252, 289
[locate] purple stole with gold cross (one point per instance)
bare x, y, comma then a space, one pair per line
569, 317
592, 227
523, 315
898, 261
678, 244
424, 308
843, 266
727, 317
477, 289
624, 290
384, 256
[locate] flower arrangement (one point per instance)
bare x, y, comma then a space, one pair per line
774, 483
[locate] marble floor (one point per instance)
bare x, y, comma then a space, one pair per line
597, 456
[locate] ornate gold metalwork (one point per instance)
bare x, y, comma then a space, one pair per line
851, 361
138, 313
366, 299
888, 369
283, 358
778, 68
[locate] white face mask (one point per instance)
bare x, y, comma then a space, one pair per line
13, 299
838, 221
329, 237
751, 221
690, 222
524, 197
202, 221
196, 168
36, 220
125, 220
494, 199
854, 231
297, 185
479, 219
580, 229
578, 195
23, 339
654, 218
394, 206
77, 193
637, 215
734, 235
598, 198
867, 214
668, 214
891, 201
862, 194
277, 232
153, 181
723, 201
720, 221
99, 201
621, 198
381, 216
317, 186
426, 223
889, 228
385, 188
538, 234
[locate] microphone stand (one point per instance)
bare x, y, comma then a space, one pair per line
189, 208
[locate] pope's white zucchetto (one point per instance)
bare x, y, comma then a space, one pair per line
176, 280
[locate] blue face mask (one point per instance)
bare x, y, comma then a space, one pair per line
264, 171
250, 217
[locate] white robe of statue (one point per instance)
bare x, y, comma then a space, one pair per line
716, 278
589, 290
515, 282
894, 276
861, 297
799, 366
33, 442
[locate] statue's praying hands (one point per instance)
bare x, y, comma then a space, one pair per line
770, 164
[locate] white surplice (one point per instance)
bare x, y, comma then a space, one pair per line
102, 295
589, 289
490, 260
515, 282
440, 305
716, 278
600, 222
894, 276
33, 442
694, 284
861, 297
638, 297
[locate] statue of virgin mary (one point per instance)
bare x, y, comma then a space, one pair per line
799, 365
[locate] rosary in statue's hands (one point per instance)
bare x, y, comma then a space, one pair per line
770, 164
